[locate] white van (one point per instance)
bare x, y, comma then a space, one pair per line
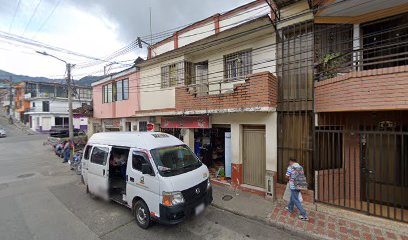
154, 174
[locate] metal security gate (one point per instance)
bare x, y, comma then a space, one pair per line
254, 157
361, 162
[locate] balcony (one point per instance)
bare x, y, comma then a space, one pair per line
258, 92
369, 73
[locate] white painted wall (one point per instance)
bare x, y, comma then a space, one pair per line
163, 48
195, 34
238, 120
56, 105
263, 59
152, 96
244, 16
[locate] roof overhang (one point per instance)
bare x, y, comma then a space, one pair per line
357, 11
115, 76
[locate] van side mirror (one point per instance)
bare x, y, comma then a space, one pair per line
146, 169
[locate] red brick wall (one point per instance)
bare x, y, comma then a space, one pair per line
370, 90
259, 90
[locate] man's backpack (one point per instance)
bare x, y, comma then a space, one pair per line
299, 178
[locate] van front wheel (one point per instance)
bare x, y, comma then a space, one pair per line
142, 214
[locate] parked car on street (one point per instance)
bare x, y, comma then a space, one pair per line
153, 173
3, 133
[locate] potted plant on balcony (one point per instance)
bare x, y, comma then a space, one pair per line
330, 65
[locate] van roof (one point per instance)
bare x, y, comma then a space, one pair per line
143, 140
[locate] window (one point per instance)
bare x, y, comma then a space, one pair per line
138, 158
62, 92
142, 126
85, 93
107, 93
99, 155
237, 65
384, 42
87, 151
45, 106
61, 121
174, 160
176, 74
119, 90
116, 91
126, 89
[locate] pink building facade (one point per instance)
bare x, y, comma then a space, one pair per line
116, 101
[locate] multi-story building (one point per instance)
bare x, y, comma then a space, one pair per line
21, 104
361, 103
48, 105
116, 102
213, 85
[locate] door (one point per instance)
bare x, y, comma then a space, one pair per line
98, 171
254, 156
128, 126
383, 167
46, 123
85, 163
145, 186
202, 78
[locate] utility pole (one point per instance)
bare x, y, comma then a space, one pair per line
71, 117
11, 111
69, 86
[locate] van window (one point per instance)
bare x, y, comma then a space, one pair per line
99, 155
175, 160
138, 159
87, 151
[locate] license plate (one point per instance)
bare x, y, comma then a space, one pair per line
199, 209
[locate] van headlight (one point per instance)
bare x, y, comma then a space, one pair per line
208, 184
172, 198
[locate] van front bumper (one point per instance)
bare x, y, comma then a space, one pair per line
177, 214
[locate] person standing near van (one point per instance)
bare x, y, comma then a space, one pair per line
297, 182
67, 150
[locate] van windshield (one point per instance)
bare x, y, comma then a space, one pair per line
175, 160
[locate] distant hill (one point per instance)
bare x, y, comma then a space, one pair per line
85, 81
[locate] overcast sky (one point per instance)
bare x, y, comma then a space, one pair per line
95, 28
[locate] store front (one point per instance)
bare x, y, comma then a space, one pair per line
211, 143
111, 125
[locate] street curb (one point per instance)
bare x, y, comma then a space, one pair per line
266, 221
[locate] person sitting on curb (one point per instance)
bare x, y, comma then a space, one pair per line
297, 182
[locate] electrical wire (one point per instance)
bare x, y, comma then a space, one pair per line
32, 16
14, 15
47, 19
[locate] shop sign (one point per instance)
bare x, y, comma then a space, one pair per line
112, 123
185, 122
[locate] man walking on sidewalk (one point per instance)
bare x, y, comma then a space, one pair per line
297, 182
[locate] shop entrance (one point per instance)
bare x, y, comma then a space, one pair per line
254, 159
212, 146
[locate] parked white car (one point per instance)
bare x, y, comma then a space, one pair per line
3, 133
154, 174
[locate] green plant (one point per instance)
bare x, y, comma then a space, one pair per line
221, 172
330, 64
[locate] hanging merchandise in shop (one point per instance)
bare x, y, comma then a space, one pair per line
186, 122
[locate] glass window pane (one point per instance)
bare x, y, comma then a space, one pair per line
99, 155
125, 89
119, 91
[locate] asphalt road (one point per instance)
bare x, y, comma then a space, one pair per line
40, 198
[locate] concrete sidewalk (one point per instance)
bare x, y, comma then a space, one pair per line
325, 222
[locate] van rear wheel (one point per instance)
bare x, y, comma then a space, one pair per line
142, 214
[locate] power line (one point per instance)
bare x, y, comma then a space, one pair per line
32, 15
48, 18
14, 15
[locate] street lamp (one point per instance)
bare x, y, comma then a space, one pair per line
69, 66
